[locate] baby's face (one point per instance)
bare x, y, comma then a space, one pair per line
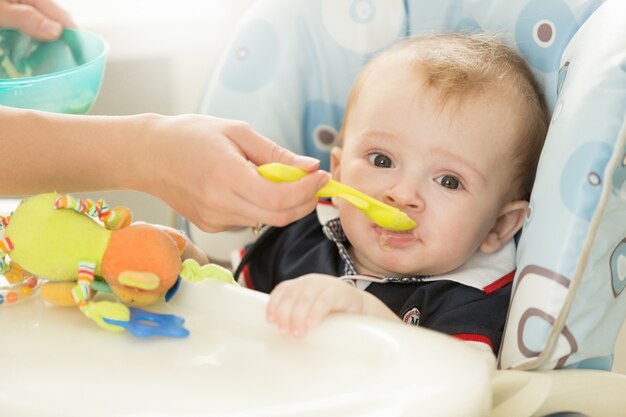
447, 167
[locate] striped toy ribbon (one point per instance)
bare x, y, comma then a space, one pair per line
82, 290
5, 247
4, 222
97, 209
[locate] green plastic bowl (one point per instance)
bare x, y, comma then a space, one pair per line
63, 76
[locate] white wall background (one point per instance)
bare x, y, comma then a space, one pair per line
161, 51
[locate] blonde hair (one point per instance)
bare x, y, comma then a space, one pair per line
458, 66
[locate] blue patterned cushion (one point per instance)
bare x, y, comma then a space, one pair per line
568, 307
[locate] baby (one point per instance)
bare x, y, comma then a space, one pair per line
448, 129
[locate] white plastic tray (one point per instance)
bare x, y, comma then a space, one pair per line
55, 362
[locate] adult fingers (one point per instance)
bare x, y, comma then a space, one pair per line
216, 218
33, 21
280, 197
261, 150
53, 11
29, 20
237, 211
253, 214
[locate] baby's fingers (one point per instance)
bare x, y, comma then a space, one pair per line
280, 306
309, 311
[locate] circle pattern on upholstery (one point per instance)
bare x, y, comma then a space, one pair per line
581, 180
320, 123
543, 29
253, 58
363, 26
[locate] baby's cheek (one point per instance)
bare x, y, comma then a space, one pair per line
455, 253
352, 220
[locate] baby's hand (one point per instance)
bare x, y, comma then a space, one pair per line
299, 304
186, 247
192, 251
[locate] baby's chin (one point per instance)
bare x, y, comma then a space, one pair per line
408, 260
394, 263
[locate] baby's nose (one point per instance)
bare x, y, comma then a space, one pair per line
404, 198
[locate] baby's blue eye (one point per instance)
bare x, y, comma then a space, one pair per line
449, 181
381, 160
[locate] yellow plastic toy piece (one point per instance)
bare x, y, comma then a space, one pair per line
140, 280
98, 311
192, 271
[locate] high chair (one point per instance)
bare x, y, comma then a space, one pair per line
288, 71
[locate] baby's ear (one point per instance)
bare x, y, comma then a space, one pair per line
510, 220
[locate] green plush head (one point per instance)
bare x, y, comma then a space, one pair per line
50, 242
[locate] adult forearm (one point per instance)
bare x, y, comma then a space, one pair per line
201, 166
45, 151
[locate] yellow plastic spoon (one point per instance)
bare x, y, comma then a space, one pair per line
382, 214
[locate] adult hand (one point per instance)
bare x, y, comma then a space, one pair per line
205, 168
41, 19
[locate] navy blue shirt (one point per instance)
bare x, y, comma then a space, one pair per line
450, 307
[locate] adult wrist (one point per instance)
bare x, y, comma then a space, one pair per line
140, 168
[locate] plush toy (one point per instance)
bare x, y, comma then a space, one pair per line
57, 247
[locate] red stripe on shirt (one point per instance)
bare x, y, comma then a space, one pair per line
245, 271
324, 202
500, 282
472, 337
